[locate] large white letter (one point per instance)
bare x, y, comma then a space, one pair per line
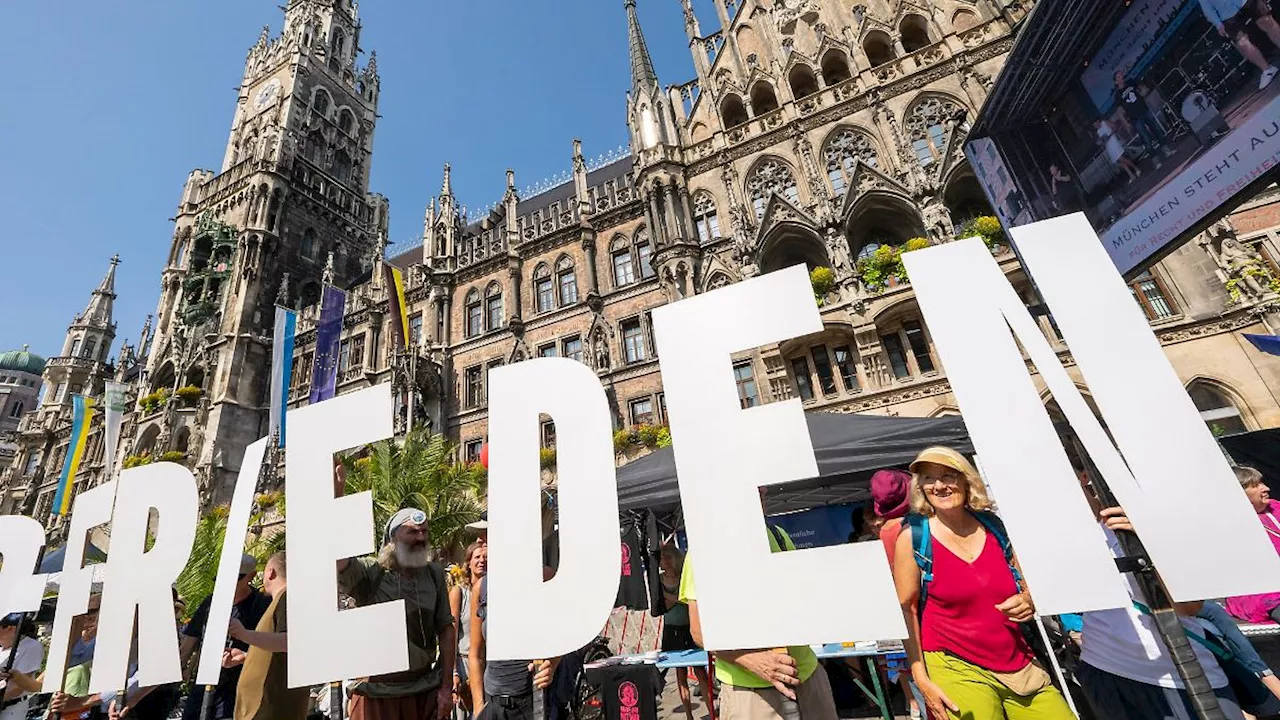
215, 628
724, 453
573, 606
321, 530
21, 538
140, 580
90, 509
969, 308
1179, 477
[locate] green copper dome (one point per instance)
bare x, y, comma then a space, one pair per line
22, 361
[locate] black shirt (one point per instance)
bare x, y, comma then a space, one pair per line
248, 611
1135, 106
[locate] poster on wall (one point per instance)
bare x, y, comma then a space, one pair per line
1172, 113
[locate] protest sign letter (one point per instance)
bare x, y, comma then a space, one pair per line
20, 540
224, 588
140, 581
571, 607
321, 530
91, 509
724, 453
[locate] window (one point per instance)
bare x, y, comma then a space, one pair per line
357, 352
804, 386
705, 218
572, 348
548, 433
822, 364
308, 247
919, 346
846, 363
16, 410
345, 121
471, 450
642, 412
320, 103
474, 315
543, 289
644, 256
493, 311
897, 358
415, 330
843, 153
547, 350
344, 356
772, 177
568, 287
1149, 292
662, 407
633, 341
33, 462
1216, 409
623, 270
927, 126
60, 392
745, 376
75, 348
475, 386
91, 348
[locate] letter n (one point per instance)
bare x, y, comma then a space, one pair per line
1168, 472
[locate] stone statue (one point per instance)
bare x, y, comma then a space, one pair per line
600, 351
838, 251
1235, 261
937, 222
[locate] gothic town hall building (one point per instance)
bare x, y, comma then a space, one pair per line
813, 131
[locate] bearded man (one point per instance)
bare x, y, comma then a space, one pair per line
403, 571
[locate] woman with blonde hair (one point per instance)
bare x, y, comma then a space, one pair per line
474, 565
963, 600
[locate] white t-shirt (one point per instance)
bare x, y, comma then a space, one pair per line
1125, 642
29, 659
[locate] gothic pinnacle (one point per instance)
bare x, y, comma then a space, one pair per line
643, 76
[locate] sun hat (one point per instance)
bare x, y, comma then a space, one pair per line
890, 493
248, 564
946, 457
481, 525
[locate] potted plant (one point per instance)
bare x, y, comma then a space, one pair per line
189, 395
988, 228
823, 280
881, 268
174, 456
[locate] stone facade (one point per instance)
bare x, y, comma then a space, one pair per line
814, 132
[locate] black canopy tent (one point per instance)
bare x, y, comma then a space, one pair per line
1259, 449
848, 447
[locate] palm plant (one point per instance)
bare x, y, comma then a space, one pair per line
195, 582
420, 471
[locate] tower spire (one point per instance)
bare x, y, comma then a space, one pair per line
643, 77
99, 309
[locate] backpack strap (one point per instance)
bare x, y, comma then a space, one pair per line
776, 532
922, 550
994, 525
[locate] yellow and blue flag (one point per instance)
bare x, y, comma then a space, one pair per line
82, 418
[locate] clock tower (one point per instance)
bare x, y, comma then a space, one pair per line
291, 199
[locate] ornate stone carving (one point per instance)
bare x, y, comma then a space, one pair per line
1240, 267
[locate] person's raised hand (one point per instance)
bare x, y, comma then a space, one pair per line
1018, 608
776, 668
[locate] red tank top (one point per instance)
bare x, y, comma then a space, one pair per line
960, 616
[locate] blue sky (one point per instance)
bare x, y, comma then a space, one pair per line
114, 103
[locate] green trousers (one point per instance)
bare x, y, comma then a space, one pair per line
980, 696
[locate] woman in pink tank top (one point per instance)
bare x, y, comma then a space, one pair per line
966, 649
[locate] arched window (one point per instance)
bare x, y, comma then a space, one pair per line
763, 98
346, 121
644, 255
914, 30
732, 111
544, 290
928, 126
16, 410
771, 177
341, 166
493, 306
1216, 409
878, 47
308, 248
705, 217
336, 49
567, 281
75, 348
963, 20
835, 67
91, 348
624, 269
474, 314
320, 103
315, 148
803, 81
843, 152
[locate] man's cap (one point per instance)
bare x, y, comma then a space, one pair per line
248, 564
481, 525
890, 494
11, 620
403, 516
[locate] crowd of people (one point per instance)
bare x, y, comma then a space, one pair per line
972, 650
